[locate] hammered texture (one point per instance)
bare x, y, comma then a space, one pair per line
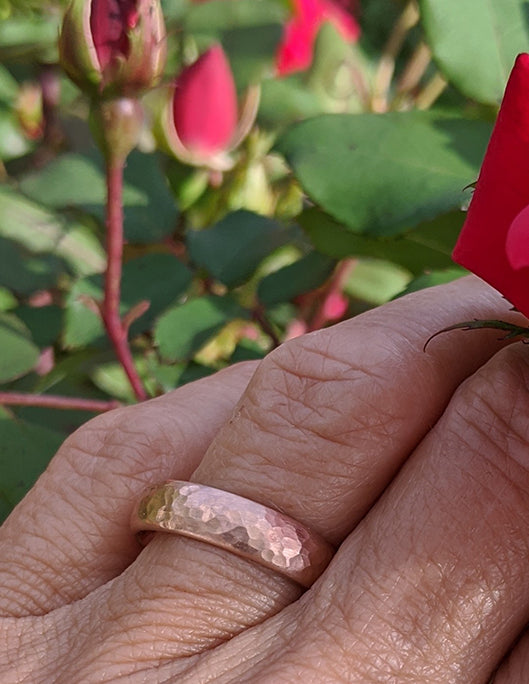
240, 525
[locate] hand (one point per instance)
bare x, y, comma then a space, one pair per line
415, 462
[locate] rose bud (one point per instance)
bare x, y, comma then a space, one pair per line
201, 121
113, 47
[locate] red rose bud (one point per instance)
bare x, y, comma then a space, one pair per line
297, 45
494, 240
205, 104
113, 47
201, 122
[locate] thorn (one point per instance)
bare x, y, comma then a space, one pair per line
91, 303
134, 313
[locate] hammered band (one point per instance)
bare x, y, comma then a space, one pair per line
239, 525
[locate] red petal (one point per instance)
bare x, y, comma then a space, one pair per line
335, 306
501, 193
517, 246
295, 50
205, 104
109, 22
343, 21
297, 44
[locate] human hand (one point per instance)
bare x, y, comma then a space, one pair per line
416, 463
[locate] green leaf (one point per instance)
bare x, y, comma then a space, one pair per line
44, 323
38, 230
304, 275
249, 32
8, 86
7, 300
82, 325
157, 278
285, 101
194, 371
24, 272
13, 143
475, 43
333, 74
224, 15
110, 377
376, 281
381, 174
183, 330
18, 354
429, 246
28, 223
247, 350
74, 180
234, 247
70, 180
433, 278
29, 38
25, 451
251, 51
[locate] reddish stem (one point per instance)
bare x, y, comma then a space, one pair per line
56, 402
116, 330
260, 316
51, 94
335, 285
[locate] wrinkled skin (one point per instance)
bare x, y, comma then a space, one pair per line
416, 462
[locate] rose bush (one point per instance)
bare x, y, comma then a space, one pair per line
294, 164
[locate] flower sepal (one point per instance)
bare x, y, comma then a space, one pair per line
77, 52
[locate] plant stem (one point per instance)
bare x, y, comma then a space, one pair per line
336, 285
56, 402
51, 93
116, 330
431, 91
386, 66
415, 69
260, 316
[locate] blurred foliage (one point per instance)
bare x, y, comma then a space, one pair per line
352, 180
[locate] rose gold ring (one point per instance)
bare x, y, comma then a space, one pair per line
241, 526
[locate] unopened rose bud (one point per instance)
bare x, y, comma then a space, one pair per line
201, 120
113, 47
205, 104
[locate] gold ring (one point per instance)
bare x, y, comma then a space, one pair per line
239, 525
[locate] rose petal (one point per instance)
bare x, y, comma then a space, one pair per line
109, 22
502, 191
296, 48
517, 245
